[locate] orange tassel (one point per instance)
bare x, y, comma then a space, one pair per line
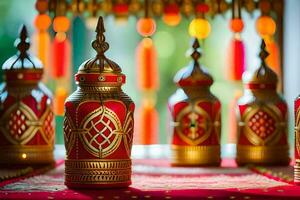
147, 70
59, 100
273, 60
148, 125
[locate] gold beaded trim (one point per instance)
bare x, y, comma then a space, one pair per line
247, 154
104, 171
19, 154
195, 155
297, 171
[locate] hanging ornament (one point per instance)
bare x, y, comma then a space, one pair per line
147, 79
262, 118
147, 71
200, 27
92, 19
148, 123
157, 7
187, 8
171, 15
146, 27
236, 57
195, 115
61, 46
121, 10
41, 38
61, 57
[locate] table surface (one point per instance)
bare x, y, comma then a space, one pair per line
154, 178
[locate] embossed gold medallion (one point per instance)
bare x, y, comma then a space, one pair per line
194, 124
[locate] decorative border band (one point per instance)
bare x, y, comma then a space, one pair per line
247, 154
195, 155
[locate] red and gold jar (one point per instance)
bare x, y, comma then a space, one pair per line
196, 116
98, 124
262, 118
297, 142
26, 113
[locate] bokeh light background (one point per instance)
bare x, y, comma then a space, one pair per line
172, 44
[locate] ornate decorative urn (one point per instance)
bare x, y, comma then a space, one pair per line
98, 124
297, 142
196, 116
262, 118
26, 116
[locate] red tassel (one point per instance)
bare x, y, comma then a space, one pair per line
61, 57
236, 59
148, 125
147, 70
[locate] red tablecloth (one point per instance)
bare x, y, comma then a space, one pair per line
156, 179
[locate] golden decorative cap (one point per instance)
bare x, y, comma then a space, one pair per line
22, 67
193, 74
261, 77
100, 69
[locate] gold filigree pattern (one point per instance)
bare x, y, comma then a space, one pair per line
128, 132
101, 132
69, 136
262, 124
297, 131
19, 124
193, 124
47, 129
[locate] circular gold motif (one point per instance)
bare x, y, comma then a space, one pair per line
101, 132
193, 124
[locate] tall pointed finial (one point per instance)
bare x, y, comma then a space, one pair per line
99, 44
22, 43
263, 53
196, 53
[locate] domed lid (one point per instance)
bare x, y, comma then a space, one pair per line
193, 74
100, 70
22, 67
262, 77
